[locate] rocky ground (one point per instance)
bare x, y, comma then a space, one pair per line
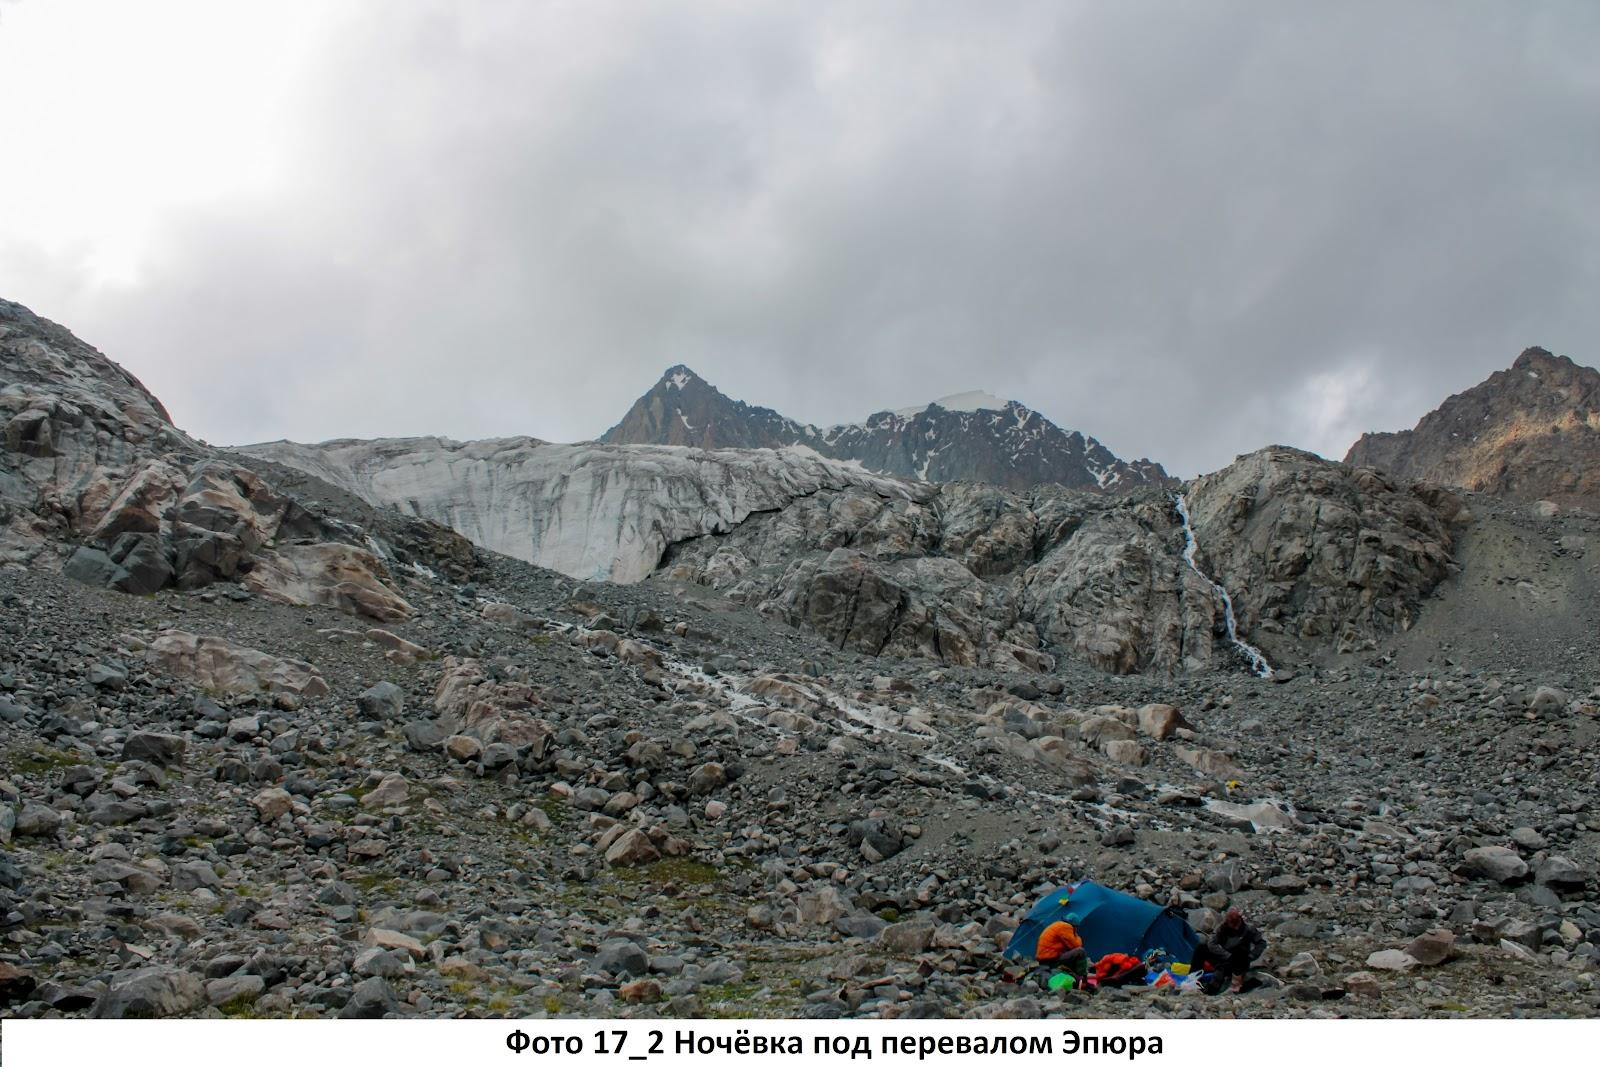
541, 797
268, 749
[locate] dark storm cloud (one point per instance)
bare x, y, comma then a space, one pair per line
1190, 230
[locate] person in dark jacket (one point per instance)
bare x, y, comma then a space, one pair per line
1232, 949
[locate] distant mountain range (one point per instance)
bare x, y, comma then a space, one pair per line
969, 437
1529, 433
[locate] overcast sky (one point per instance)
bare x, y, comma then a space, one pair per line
1189, 229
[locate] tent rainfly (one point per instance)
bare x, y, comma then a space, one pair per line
1108, 921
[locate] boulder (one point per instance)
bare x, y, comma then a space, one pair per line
16, 984
423, 735
393, 940
1391, 959
462, 748
622, 956
1560, 874
469, 701
333, 575
707, 778
632, 849
1494, 863
1547, 698
391, 791
163, 750
906, 938
399, 649
383, 701
1362, 984
1160, 721
37, 820
1433, 948
221, 666
235, 989
1208, 762
371, 998
1100, 730
272, 804
822, 906
150, 993
1127, 752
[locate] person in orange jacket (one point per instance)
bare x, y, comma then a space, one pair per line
1061, 948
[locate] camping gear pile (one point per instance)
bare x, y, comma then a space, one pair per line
1131, 941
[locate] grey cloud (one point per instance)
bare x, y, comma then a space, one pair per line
1189, 230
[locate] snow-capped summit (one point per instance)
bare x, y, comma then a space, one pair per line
972, 436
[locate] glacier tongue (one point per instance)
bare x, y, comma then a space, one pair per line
1252, 654
590, 511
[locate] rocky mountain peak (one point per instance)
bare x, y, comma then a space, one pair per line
679, 376
682, 408
1529, 432
970, 436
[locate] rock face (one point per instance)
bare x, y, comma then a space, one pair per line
971, 437
92, 467
1531, 433
963, 573
342, 577
224, 667
1318, 551
591, 511
979, 575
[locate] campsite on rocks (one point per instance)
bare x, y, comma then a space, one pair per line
785, 722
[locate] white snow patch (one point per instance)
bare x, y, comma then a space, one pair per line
685, 420
679, 380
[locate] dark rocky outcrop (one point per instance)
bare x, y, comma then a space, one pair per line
1318, 555
973, 437
97, 482
1529, 433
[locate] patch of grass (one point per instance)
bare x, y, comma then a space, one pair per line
552, 1005
675, 871
239, 1008
44, 760
558, 810
729, 991
374, 884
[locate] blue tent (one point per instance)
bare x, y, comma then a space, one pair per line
1108, 921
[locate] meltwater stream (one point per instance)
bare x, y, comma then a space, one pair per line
1258, 662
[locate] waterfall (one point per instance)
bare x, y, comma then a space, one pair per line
1252, 654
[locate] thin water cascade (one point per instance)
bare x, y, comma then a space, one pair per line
1252, 654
